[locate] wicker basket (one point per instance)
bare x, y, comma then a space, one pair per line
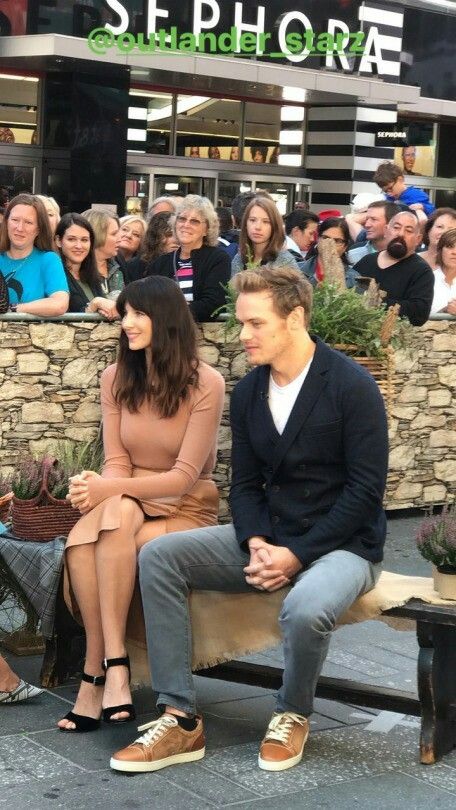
5, 506
43, 517
382, 369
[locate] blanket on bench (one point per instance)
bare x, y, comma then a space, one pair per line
221, 633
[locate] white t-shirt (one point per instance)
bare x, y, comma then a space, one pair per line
443, 292
283, 397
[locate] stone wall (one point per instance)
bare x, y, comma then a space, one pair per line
49, 390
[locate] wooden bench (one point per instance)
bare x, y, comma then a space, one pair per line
436, 702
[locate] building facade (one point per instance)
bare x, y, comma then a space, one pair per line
119, 101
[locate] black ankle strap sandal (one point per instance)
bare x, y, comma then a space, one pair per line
82, 722
107, 714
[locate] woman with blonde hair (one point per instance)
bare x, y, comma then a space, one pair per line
262, 237
106, 229
200, 268
161, 409
52, 210
130, 237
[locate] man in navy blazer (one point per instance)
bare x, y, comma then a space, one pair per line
309, 471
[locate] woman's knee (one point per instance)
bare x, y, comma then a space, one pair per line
130, 510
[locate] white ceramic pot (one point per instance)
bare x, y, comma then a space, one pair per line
445, 583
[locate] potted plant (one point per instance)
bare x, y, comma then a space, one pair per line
40, 510
436, 542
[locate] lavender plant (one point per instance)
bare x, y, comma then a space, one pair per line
436, 538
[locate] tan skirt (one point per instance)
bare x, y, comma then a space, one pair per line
196, 509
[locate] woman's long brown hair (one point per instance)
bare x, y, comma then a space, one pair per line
174, 353
276, 242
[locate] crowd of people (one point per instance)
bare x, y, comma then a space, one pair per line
309, 431
50, 265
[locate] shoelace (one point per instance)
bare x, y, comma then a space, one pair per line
281, 726
155, 729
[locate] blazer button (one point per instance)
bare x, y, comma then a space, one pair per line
276, 519
306, 493
276, 488
305, 523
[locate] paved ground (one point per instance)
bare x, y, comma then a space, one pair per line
354, 758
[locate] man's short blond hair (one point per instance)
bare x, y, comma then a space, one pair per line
287, 286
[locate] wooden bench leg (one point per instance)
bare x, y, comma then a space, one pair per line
436, 689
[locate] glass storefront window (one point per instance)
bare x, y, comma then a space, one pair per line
15, 180
282, 194
173, 185
18, 109
137, 194
262, 132
149, 122
208, 127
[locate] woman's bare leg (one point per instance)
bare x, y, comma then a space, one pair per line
8, 679
115, 561
81, 565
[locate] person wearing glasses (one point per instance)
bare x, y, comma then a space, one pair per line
334, 228
201, 269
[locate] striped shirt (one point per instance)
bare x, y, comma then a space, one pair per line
184, 277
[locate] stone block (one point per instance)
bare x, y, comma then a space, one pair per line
445, 470
36, 412
209, 354
81, 434
401, 458
43, 447
7, 358
413, 393
402, 412
439, 398
442, 438
239, 366
11, 390
405, 361
434, 494
52, 336
33, 363
425, 420
444, 343
105, 332
447, 374
79, 373
88, 412
406, 490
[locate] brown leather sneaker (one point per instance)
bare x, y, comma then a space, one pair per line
164, 743
284, 741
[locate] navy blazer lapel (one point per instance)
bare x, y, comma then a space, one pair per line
310, 391
265, 412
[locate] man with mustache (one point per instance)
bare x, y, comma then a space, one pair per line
404, 276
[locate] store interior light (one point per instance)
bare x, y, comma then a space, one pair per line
18, 78
291, 137
290, 160
243, 188
171, 186
292, 113
294, 94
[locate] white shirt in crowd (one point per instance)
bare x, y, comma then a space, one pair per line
283, 397
443, 292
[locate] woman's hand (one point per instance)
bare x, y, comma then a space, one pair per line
86, 490
104, 306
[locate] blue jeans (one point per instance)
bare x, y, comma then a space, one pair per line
210, 559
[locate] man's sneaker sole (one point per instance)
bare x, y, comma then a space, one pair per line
147, 767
